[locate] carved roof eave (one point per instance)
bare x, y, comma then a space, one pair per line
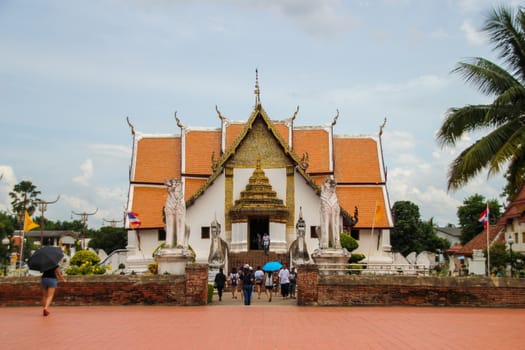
231, 151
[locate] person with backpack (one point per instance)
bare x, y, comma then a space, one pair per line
234, 279
247, 284
259, 276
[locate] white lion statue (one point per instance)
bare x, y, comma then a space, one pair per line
330, 216
175, 214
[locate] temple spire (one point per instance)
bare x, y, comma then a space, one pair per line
257, 91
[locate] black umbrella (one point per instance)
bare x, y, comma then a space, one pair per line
45, 258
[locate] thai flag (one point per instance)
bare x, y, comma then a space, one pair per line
484, 217
133, 219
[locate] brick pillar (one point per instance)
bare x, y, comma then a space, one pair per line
196, 284
307, 281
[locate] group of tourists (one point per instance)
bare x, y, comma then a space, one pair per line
248, 283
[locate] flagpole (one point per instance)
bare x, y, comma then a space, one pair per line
372, 234
21, 253
488, 243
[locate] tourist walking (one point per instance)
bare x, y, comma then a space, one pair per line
234, 280
247, 284
275, 279
293, 282
220, 281
268, 285
49, 283
259, 276
284, 281
239, 283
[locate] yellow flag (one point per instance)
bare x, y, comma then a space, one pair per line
379, 212
29, 224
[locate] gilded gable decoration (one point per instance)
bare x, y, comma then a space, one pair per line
257, 91
214, 162
304, 161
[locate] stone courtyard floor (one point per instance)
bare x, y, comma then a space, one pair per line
262, 325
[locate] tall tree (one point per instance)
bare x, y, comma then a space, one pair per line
24, 197
108, 239
469, 212
504, 145
410, 233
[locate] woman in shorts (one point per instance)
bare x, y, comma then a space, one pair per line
268, 285
48, 284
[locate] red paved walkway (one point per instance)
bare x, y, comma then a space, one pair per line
260, 327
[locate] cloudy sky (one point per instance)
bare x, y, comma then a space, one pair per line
71, 71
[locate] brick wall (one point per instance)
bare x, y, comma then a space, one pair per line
315, 289
190, 289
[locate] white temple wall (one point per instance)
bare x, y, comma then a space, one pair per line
149, 241
239, 241
201, 214
310, 202
278, 237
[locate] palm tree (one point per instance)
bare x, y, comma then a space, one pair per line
504, 117
24, 197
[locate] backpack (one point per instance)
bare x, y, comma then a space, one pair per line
233, 279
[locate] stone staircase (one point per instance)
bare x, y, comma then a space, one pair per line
255, 258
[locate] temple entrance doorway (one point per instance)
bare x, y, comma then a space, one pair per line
258, 227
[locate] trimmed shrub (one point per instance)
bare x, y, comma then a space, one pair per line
348, 242
85, 262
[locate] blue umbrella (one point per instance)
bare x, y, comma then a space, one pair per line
272, 266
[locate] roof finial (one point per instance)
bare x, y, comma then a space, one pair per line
257, 91
179, 124
382, 127
335, 118
130, 126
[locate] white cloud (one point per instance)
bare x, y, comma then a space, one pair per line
426, 83
326, 18
87, 173
117, 194
7, 181
473, 35
114, 151
399, 141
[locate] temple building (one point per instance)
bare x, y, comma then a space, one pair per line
254, 177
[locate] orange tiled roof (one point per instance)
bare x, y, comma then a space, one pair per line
192, 186
480, 241
357, 160
365, 198
232, 132
516, 209
148, 203
282, 129
456, 247
200, 145
151, 165
315, 142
